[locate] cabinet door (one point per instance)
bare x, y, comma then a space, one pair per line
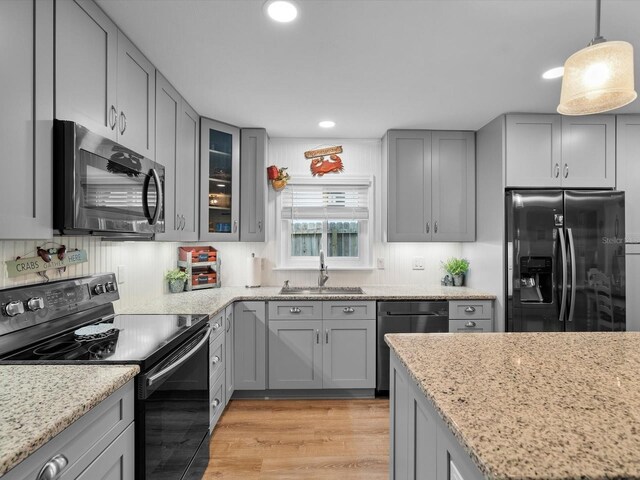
249, 349
219, 187
86, 66
295, 354
423, 432
409, 192
399, 402
116, 462
349, 354
253, 184
628, 172
167, 124
26, 95
534, 145
228, 339
589, 151
136, 99
453, 186
187, 181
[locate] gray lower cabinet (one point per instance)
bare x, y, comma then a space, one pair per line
253, 184
249, 346
229, 347
26, 95
421, 444
99, 445
295, 354
430, 190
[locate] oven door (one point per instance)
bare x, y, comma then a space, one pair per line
172, 414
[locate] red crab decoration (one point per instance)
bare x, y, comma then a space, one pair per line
320, 166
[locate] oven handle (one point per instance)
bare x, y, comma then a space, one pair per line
145, 200
180, 361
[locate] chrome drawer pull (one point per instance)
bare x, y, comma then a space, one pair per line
53, 468
470, 324
215, 359
215, 326
470, 309
295, 310
215, 403
348, 310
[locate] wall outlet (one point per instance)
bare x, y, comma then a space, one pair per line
122, 274
418, 263
380, 263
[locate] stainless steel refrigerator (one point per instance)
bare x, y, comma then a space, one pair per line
565, 261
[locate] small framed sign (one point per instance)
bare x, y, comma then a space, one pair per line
23, 266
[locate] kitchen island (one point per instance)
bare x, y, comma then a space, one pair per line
515, 406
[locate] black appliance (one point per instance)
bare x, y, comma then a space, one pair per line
103, 188
73, 321
406, 317
565, 261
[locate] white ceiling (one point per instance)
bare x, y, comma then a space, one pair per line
369, 65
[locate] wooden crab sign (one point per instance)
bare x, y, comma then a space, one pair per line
320, 165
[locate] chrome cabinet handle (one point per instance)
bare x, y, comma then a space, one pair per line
259, 225
215, 359
215, 403
184, 222
566, 170
317, 336
294, 310
228, 323
470, 309
435, 227
428, 227
557, 168
326, 335
53, 468
215, 326
123, 123
113, 117
235, 226
470, 324
348, 310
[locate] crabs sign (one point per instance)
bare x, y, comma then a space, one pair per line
320, 165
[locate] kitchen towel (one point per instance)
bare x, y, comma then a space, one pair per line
254, 271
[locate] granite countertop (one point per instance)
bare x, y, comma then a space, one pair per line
212, 301
39, 401
535, 405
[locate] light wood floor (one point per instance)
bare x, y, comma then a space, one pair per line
301, 439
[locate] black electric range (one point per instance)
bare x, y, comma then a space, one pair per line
73, 321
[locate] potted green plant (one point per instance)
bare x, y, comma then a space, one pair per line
457, 268
176, 279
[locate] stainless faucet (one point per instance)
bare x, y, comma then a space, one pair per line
323, 277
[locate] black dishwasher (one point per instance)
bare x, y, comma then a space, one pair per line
406, 317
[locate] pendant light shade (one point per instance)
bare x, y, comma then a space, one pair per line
597, 79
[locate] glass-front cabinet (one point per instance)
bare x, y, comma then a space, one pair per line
220, 181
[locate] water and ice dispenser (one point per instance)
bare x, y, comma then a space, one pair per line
536, 279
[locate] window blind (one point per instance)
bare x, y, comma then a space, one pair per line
325, 202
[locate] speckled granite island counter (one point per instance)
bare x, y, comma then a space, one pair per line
37, 402
527, 405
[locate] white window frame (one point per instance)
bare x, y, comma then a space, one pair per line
364, 261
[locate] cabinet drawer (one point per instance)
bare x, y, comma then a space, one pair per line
217, 358
217, 325
470, 326
353, 310
295, 310
470, 309
216, 402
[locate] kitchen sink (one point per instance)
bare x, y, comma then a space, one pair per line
321, 291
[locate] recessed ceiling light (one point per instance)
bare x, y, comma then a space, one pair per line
281, 11
327, 124
555, 72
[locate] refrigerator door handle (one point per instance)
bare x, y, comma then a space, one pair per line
563, 251
572, 249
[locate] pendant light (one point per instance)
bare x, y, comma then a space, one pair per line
598, 78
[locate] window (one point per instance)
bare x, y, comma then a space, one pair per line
330, 215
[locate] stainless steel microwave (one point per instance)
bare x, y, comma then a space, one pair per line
103, 188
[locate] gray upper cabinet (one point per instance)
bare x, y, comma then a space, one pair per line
349, 354
219, 181
249, 345
559, 151
534, 146
26, 95
86, 66
589, 151
102, 80
229, 348
628, 172
295, 354
136, 99
453, 186
431, 186
176, 148
253, 184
